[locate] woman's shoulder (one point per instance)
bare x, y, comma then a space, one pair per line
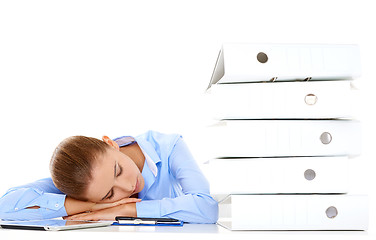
165, 141
158, 137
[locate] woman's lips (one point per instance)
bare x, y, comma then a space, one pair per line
137, 186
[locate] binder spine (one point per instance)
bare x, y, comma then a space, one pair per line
294, 212
286, 62
287, 175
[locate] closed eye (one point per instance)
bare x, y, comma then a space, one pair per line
111, 194
120, 171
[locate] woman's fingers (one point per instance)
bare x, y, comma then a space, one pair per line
100, 206
105, 214
128, 200
81, 216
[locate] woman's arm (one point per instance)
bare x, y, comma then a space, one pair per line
37, 200
125, 209
74, 207
42, 200
196, 205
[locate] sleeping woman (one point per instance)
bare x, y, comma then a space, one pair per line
151, 175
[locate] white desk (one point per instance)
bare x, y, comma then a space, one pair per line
188, 231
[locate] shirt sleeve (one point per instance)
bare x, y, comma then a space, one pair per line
195, 205
42, 193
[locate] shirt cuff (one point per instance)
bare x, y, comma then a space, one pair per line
50, 201
149, 208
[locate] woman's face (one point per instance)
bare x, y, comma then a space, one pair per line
114, 176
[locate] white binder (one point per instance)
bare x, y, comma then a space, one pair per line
294, 212
277, 175
320, 99
286, 62
276, 138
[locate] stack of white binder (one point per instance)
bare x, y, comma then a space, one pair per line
284, 136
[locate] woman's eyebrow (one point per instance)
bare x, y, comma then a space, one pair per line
111, 188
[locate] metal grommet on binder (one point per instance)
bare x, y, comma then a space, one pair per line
262, 57
310, 99
273, 79
309, 174
325, 138
331, 212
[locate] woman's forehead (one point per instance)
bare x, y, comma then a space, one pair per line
102, 176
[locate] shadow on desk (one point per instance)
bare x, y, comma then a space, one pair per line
214, 229
186, 228
187, 231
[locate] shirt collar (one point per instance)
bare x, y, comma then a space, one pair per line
151, 157
151, 164
150, 170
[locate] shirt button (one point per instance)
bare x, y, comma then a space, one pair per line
56, 205
16, 208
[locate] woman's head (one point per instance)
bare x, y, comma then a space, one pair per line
90, 169
72, 162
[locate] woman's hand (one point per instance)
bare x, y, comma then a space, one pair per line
100, 206
127, 209
74, 206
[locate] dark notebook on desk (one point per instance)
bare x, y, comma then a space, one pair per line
147, 221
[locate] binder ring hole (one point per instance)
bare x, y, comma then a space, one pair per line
262, 57
309, 174
325, 138
331, 212
310, 99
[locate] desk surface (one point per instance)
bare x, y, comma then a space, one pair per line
188, 231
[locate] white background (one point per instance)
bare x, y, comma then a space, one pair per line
123, 67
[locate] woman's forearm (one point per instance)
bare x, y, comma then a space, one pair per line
74, 206
127, 209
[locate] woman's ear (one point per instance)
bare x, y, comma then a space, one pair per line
110, 142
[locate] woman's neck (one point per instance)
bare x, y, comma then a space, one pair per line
135, 153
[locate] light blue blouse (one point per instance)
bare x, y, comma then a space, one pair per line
174, 187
